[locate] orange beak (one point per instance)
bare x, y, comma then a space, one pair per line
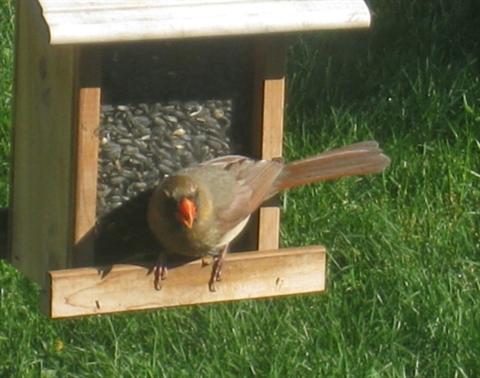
187, 212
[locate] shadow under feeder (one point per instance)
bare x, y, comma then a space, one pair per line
97, 125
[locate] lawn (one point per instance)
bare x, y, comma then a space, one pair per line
403, 294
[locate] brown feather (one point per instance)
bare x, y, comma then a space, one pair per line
254, 181
354, 160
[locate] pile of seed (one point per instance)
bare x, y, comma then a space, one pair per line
167, 106
141, 143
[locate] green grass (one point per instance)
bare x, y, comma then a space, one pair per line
403, 292
6, 73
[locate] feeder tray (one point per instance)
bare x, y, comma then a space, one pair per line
112, 96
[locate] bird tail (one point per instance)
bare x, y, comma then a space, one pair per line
354, 160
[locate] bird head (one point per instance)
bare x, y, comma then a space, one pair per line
182, 197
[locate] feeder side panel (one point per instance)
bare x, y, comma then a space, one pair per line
42, 148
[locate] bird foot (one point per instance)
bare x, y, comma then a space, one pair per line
159, 273
217, 268
216, 273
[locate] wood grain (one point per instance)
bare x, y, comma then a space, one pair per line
80, 21
246, 275
87, 161
42, 169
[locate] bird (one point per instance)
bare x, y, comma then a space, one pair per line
199, 210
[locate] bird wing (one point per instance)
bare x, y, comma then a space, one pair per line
254, 180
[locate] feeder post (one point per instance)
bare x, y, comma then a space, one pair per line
269, 102
88, 87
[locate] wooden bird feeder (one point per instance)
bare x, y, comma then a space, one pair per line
112, 95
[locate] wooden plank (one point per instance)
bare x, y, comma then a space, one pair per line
80, 21
270, 88
246, 275
87, 161
42, 148
87, 143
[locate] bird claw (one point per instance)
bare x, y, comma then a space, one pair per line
159, 273
217, 268
211, 285
216, 273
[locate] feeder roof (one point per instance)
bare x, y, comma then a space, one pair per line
90, 21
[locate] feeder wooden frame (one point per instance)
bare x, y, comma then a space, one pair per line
54, 193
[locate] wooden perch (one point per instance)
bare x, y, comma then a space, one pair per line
246, 275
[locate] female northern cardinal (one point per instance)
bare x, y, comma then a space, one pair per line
199, 210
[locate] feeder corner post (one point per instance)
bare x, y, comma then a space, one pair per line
268, 113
